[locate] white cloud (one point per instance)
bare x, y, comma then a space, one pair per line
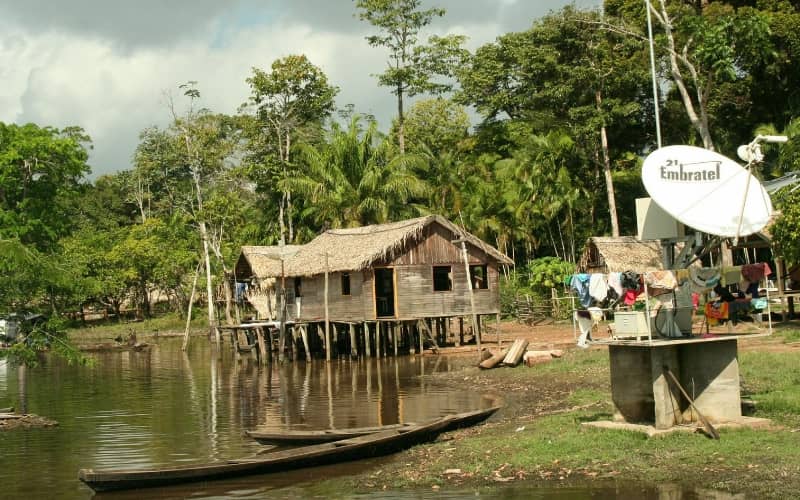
108, 75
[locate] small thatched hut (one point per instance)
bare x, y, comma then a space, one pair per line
608, 254
404, 270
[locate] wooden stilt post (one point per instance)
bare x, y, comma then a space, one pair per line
294, 343
262, 350
475, 326
460, 339
282, 306
353, 342
327, 325
394, 338
378, 339
497, 323
269, 348
410, 338
304, 336
421, 336
367, 347
335, 346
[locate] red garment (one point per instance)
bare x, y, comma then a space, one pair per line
630, 295
755, 272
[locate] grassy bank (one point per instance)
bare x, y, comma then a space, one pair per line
537, 438
164, 325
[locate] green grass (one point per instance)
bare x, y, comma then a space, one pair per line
170, 323
556, 449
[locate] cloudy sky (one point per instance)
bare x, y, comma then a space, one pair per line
105, 65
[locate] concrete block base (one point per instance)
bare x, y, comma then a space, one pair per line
652, 431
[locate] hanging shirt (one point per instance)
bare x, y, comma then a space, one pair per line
615, 283
598, 288
580, 283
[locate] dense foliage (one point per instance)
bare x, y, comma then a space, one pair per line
565, 115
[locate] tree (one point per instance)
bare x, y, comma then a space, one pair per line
412, 65
566, 73
711, 49
41, 169
291, 102
354, 180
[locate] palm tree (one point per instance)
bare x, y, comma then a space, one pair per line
355, 179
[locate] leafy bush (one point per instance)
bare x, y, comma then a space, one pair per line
535, 280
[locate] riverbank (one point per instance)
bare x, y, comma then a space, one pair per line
537, 438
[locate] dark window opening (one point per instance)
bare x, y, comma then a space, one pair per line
345, 283
297, 287
479, 277
442, 282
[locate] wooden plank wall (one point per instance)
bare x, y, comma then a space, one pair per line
354, 307
414, 276
417, 299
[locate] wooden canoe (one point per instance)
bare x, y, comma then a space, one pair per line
10, 409
370, 445
297, 438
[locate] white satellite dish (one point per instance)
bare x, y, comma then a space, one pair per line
706, 191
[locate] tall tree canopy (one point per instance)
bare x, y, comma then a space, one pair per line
413, 65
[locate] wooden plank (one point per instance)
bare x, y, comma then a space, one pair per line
515, 352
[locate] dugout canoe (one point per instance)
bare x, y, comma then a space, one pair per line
299, 438
367, 446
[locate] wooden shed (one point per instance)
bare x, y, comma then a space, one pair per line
607, 254
405, 270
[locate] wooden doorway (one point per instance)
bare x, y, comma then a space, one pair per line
384, 293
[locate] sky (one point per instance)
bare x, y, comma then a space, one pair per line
108, 65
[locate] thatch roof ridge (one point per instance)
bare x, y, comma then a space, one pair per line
623, 253
358, 248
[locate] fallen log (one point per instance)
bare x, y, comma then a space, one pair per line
494, 360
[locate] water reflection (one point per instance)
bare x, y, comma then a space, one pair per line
165, 406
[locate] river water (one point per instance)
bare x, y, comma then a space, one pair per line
165, 407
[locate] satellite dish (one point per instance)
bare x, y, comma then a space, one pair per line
706, 191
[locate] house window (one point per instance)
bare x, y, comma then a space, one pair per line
480, 280
442, 282
297, 287
345, 283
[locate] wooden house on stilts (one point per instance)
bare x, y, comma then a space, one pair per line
390, 286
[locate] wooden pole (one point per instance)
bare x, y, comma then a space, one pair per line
475, 328
282, 310
353, 344
327, 325
262, 349
367, 346
185, 345
394, 338
304, 336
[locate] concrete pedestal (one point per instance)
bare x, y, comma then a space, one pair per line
708, 369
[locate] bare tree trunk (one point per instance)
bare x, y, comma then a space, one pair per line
281, 223
288, 193
209, 287
699, 122
226, 287
185, 345
401, 135
612, 202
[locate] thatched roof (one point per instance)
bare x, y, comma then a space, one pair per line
607, 254
266, 260
355, 249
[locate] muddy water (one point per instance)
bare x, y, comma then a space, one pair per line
144, 409
147, 409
